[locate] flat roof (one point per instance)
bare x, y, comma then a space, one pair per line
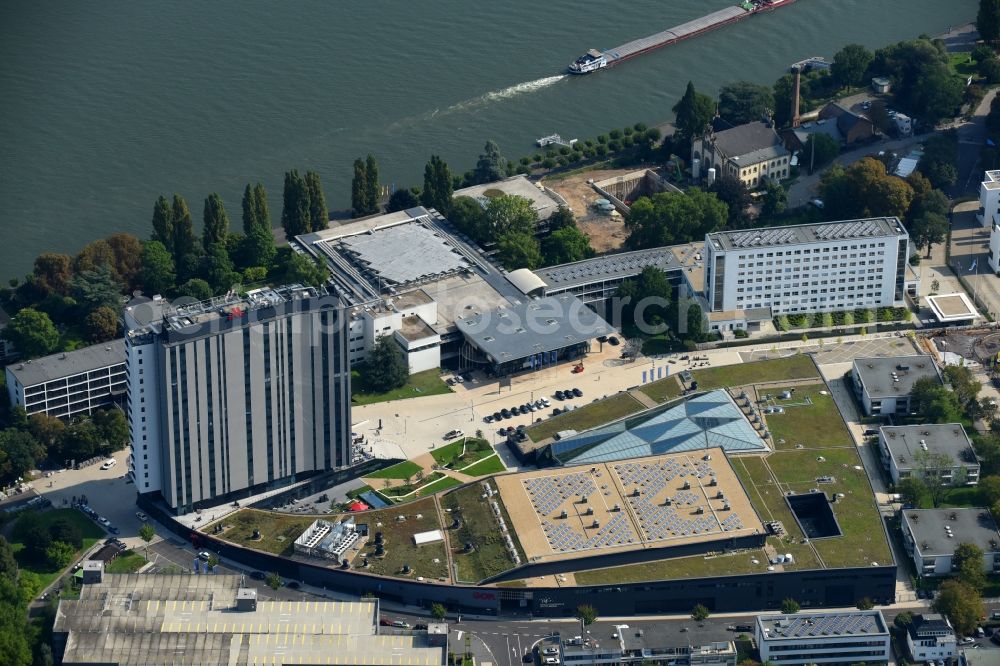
541, 201
707, 502
952, 307
894, 376
532, 327
461, 294
608, 267
67, 364
154, 619
967, 525
822, 625
862, 229
402, 254
905, 443
413, 328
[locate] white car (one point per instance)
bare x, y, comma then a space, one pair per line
817, 202
109, 463
204, 555
551, 650
103, 521
141, 516
968, 640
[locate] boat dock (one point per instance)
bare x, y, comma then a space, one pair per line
689, 29
554, 139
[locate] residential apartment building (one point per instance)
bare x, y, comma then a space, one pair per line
238, 394
941, 453
809, 268
883, 384
930, 536
752, 153
989, 199
69, 383
931, 638
854, 637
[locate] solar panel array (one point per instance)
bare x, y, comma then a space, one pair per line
610, 266
764, 237
828, 625
855, 229
548, 493
563, 538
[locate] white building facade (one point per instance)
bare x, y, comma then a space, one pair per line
931, 638
809, 268
989, 199
852, 637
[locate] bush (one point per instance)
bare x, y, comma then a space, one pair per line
615, 134
640, 127
525, 160
548, 163
564, 150
628, 131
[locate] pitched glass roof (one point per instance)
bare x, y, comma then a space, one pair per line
708, 420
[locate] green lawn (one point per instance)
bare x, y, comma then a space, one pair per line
402, 471
278, 531
421, 384
127, 562
462, 452
406, 489
589, 416
90, 531
813, 426
443, 483
479, 526
663, 390
962, 65
491, 465
742, 374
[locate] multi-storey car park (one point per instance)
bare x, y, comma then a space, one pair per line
661, 532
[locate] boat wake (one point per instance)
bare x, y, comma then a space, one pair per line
506, 93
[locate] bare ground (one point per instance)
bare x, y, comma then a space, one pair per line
606, 233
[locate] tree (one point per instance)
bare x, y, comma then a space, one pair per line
438, 611
59, 554
35, 537
32, 333
699, 613
158, 275
742, 102
562, 218
195, 289
922, 80
988, 20
775, 199
903, 620
53, 272
731, 191
669, 218
566, 245
990, 70
468, 216
491, 166
693, 112
695, 323
820, 149
935, 403
295, 213
940, 159
517, 249
101, 324
384, 369
273, 580
865, 603
850, 65
146, 533
216, 222
864, 189
295, 268
48, 430
112, 427
963, 383
926, 201
184, 242
359, 189
913, 492
163, 223
212, 562
217, 269
967, 562
586, 613
403, 199
373, 190
319, 216
97, 288
258, 248
789, 606
438, 186
8, 564
507, 213
928, 230
961, 604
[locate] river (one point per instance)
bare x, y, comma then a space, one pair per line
103, 106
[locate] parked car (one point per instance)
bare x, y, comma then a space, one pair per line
401, 624
204, 555
613, 341
488, 418
966, 640
452, 434
560, 395
497, 416
578, 393
505, 413
551, 650
109, 463
258, 575
141, 516
103, 521
818, 203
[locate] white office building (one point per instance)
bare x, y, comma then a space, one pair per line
930, 536
931, 638
239, 394
939, 453
994, 256
852, 637
69, 383
883, 384
809, 268
989, 199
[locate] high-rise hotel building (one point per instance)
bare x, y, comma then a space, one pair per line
236, 395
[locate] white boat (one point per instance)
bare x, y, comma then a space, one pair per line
591, 61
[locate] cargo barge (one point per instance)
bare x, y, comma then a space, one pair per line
595, 59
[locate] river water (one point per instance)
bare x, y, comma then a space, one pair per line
103, 106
